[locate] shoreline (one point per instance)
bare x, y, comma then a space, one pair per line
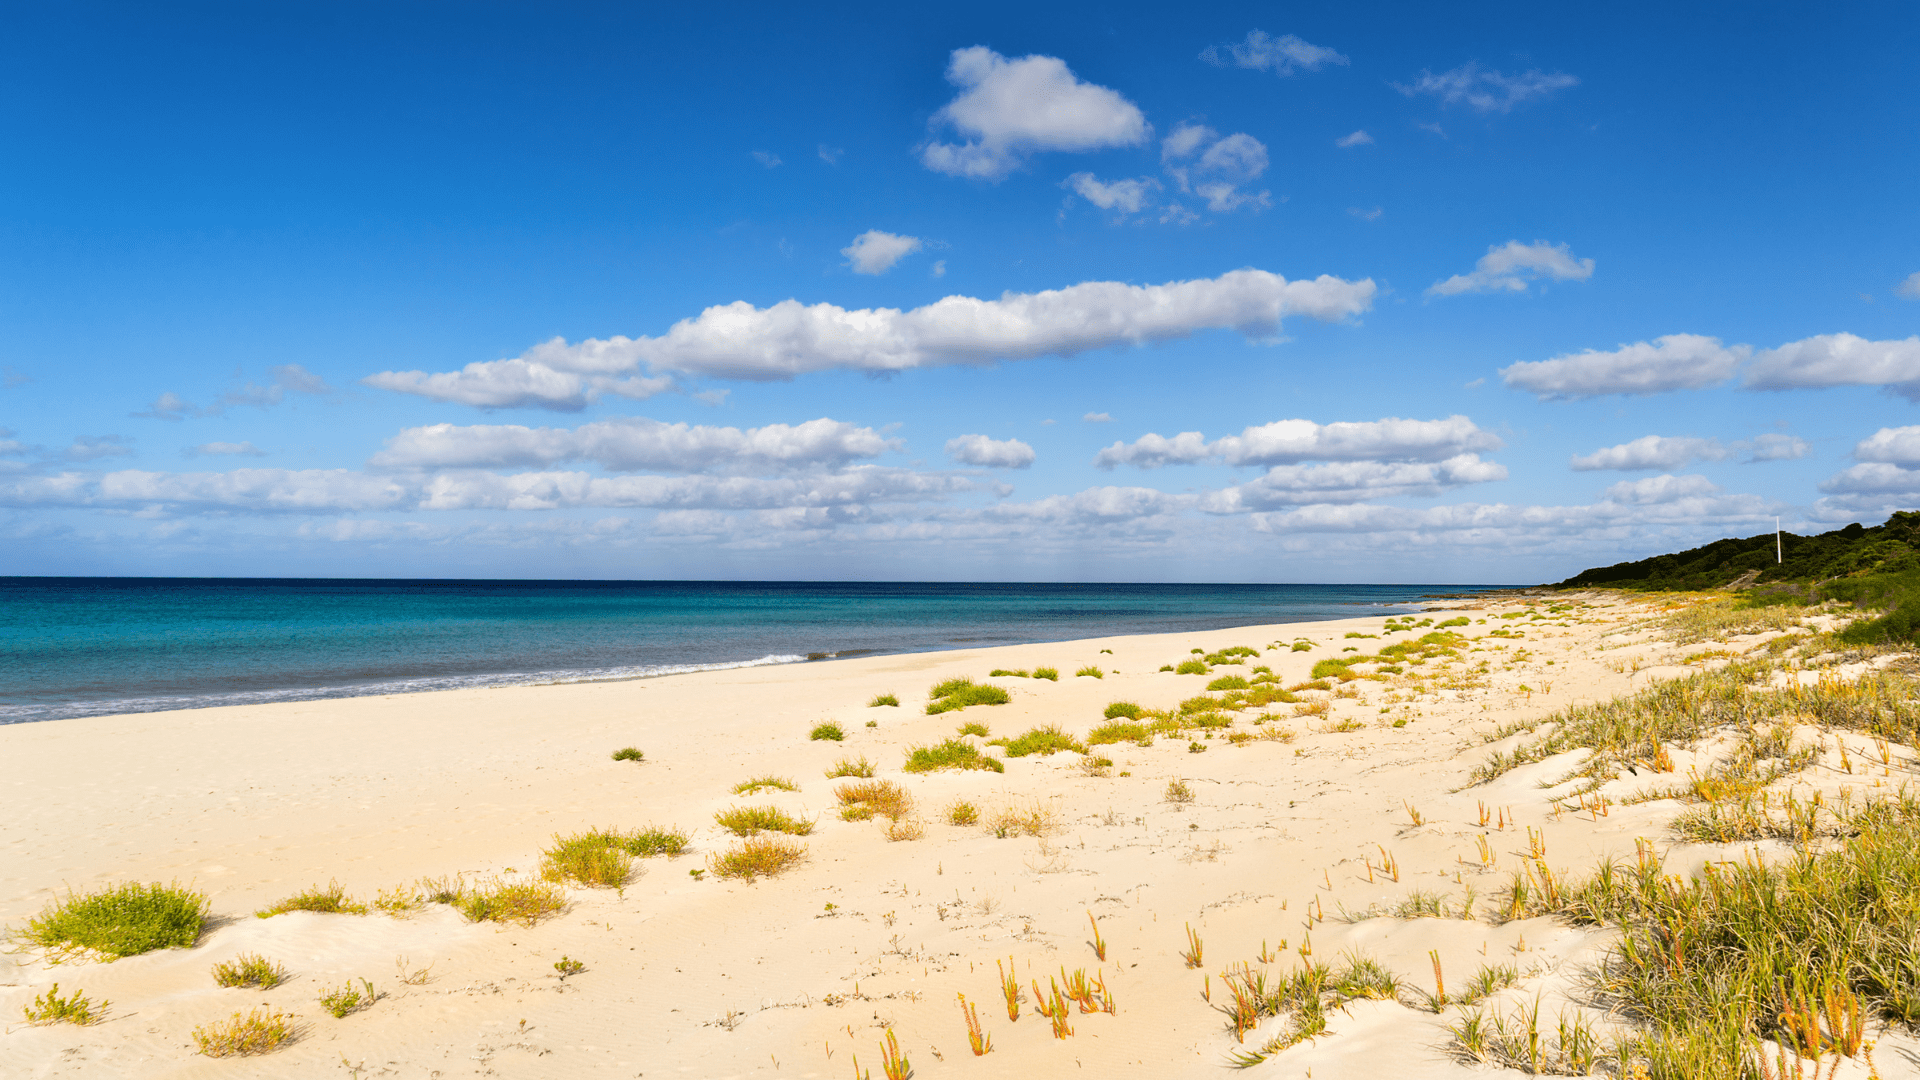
256, 802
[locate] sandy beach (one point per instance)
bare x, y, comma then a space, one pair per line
1350, 802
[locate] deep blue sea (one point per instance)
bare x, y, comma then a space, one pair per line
94, 646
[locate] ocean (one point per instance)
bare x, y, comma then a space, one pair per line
97, 646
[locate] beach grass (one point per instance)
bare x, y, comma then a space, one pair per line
1043, 741
124, 920
883, 699
753, 786
74, 1008
828, 731
882, 797
1120, 731
595, 858
748, 820
629, 753
256, 1031
330, 900
249, 969
521, 902
961, 692
951, 754
757, 857
850, 767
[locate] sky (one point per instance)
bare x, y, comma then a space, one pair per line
1482, 293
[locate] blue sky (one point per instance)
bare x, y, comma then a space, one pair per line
1388, 293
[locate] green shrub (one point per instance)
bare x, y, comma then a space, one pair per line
51, 1008
1228, 682
827, 731
332, 900
125, 920
1460, 621
653, 840
1043, 741
1334, 666
628, 753
1166, 667
997, 673
758, 856
974, 727
747, 820
1191, 667
1090, 672
249, 969
846, 767
257, 1031
597, 857
1047, 673
882, 699
522, 902
753, 786
1302, 646
962, 692
1118, 709
348, 999
1120, 731
952, 754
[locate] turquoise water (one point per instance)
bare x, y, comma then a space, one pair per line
93, 646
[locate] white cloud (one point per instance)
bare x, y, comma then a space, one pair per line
1660, 489
1485, 91
1098, 418
225, 449
1125, 196
1351, 481
990, 453
1775, 448
767, 159
876, 252
830, 154
1281, 55
1651, 452
1839, 360
1672, 362
788, 339
1366, 215
1509, 267
286, 377
1286, 442
633, 444
95, 447
1358, 138
1204, 164
1873, 478
939, 268
1910, 288
1009, 109
1098, 506
1896, 446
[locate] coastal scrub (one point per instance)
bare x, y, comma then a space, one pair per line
125, 920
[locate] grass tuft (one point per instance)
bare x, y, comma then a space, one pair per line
629, 753
748, 820
1118, 710
349, 999
1090, 672
883, 699
51, 1008
522, 902
1178, 791
882, 797
758, 856
1047, 673
848, 767
962, 692
974, 727
125, 920
828, 731
597, 857
257, 1031
249, 969
1043, 741
332, 900
962, 813
753, 786
951, 754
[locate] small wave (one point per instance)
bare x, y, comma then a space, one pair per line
20, 714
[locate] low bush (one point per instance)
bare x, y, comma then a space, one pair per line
882, 797
1120, 731
998, 673
653, 840
249, 969
883, 699
963, 813
974, 727
748, 820
1047, 673
847, 767
1228, 682
1119, 709
125, 920
825, 732
597, 857
753, 786
1042, 741
51, 1008
951, 754
629, 753
1090, 672
758, 856
348, 999
522, 902
1191, 667
960, 693
332, 900
1178, 791
257, 1031
1302, 646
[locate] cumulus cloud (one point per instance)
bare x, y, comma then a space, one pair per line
285, 378
1203, 163
1672, 362
95, 447
1286, 442
1774, 448
875, 252
1350, 481
1889, 469
225, 449
1509, 267
1009, 109
1828, 360
1910, 288
1358, 138
1099, 506
767, 159
1660, 489
788, 339
1122, 196
1895, 446
1485, 90
990, 453
320, 491
635, 444
1281, 55
1651, 452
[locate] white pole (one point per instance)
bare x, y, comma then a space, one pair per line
1777, 556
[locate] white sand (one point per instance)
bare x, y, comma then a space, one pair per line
710, 978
